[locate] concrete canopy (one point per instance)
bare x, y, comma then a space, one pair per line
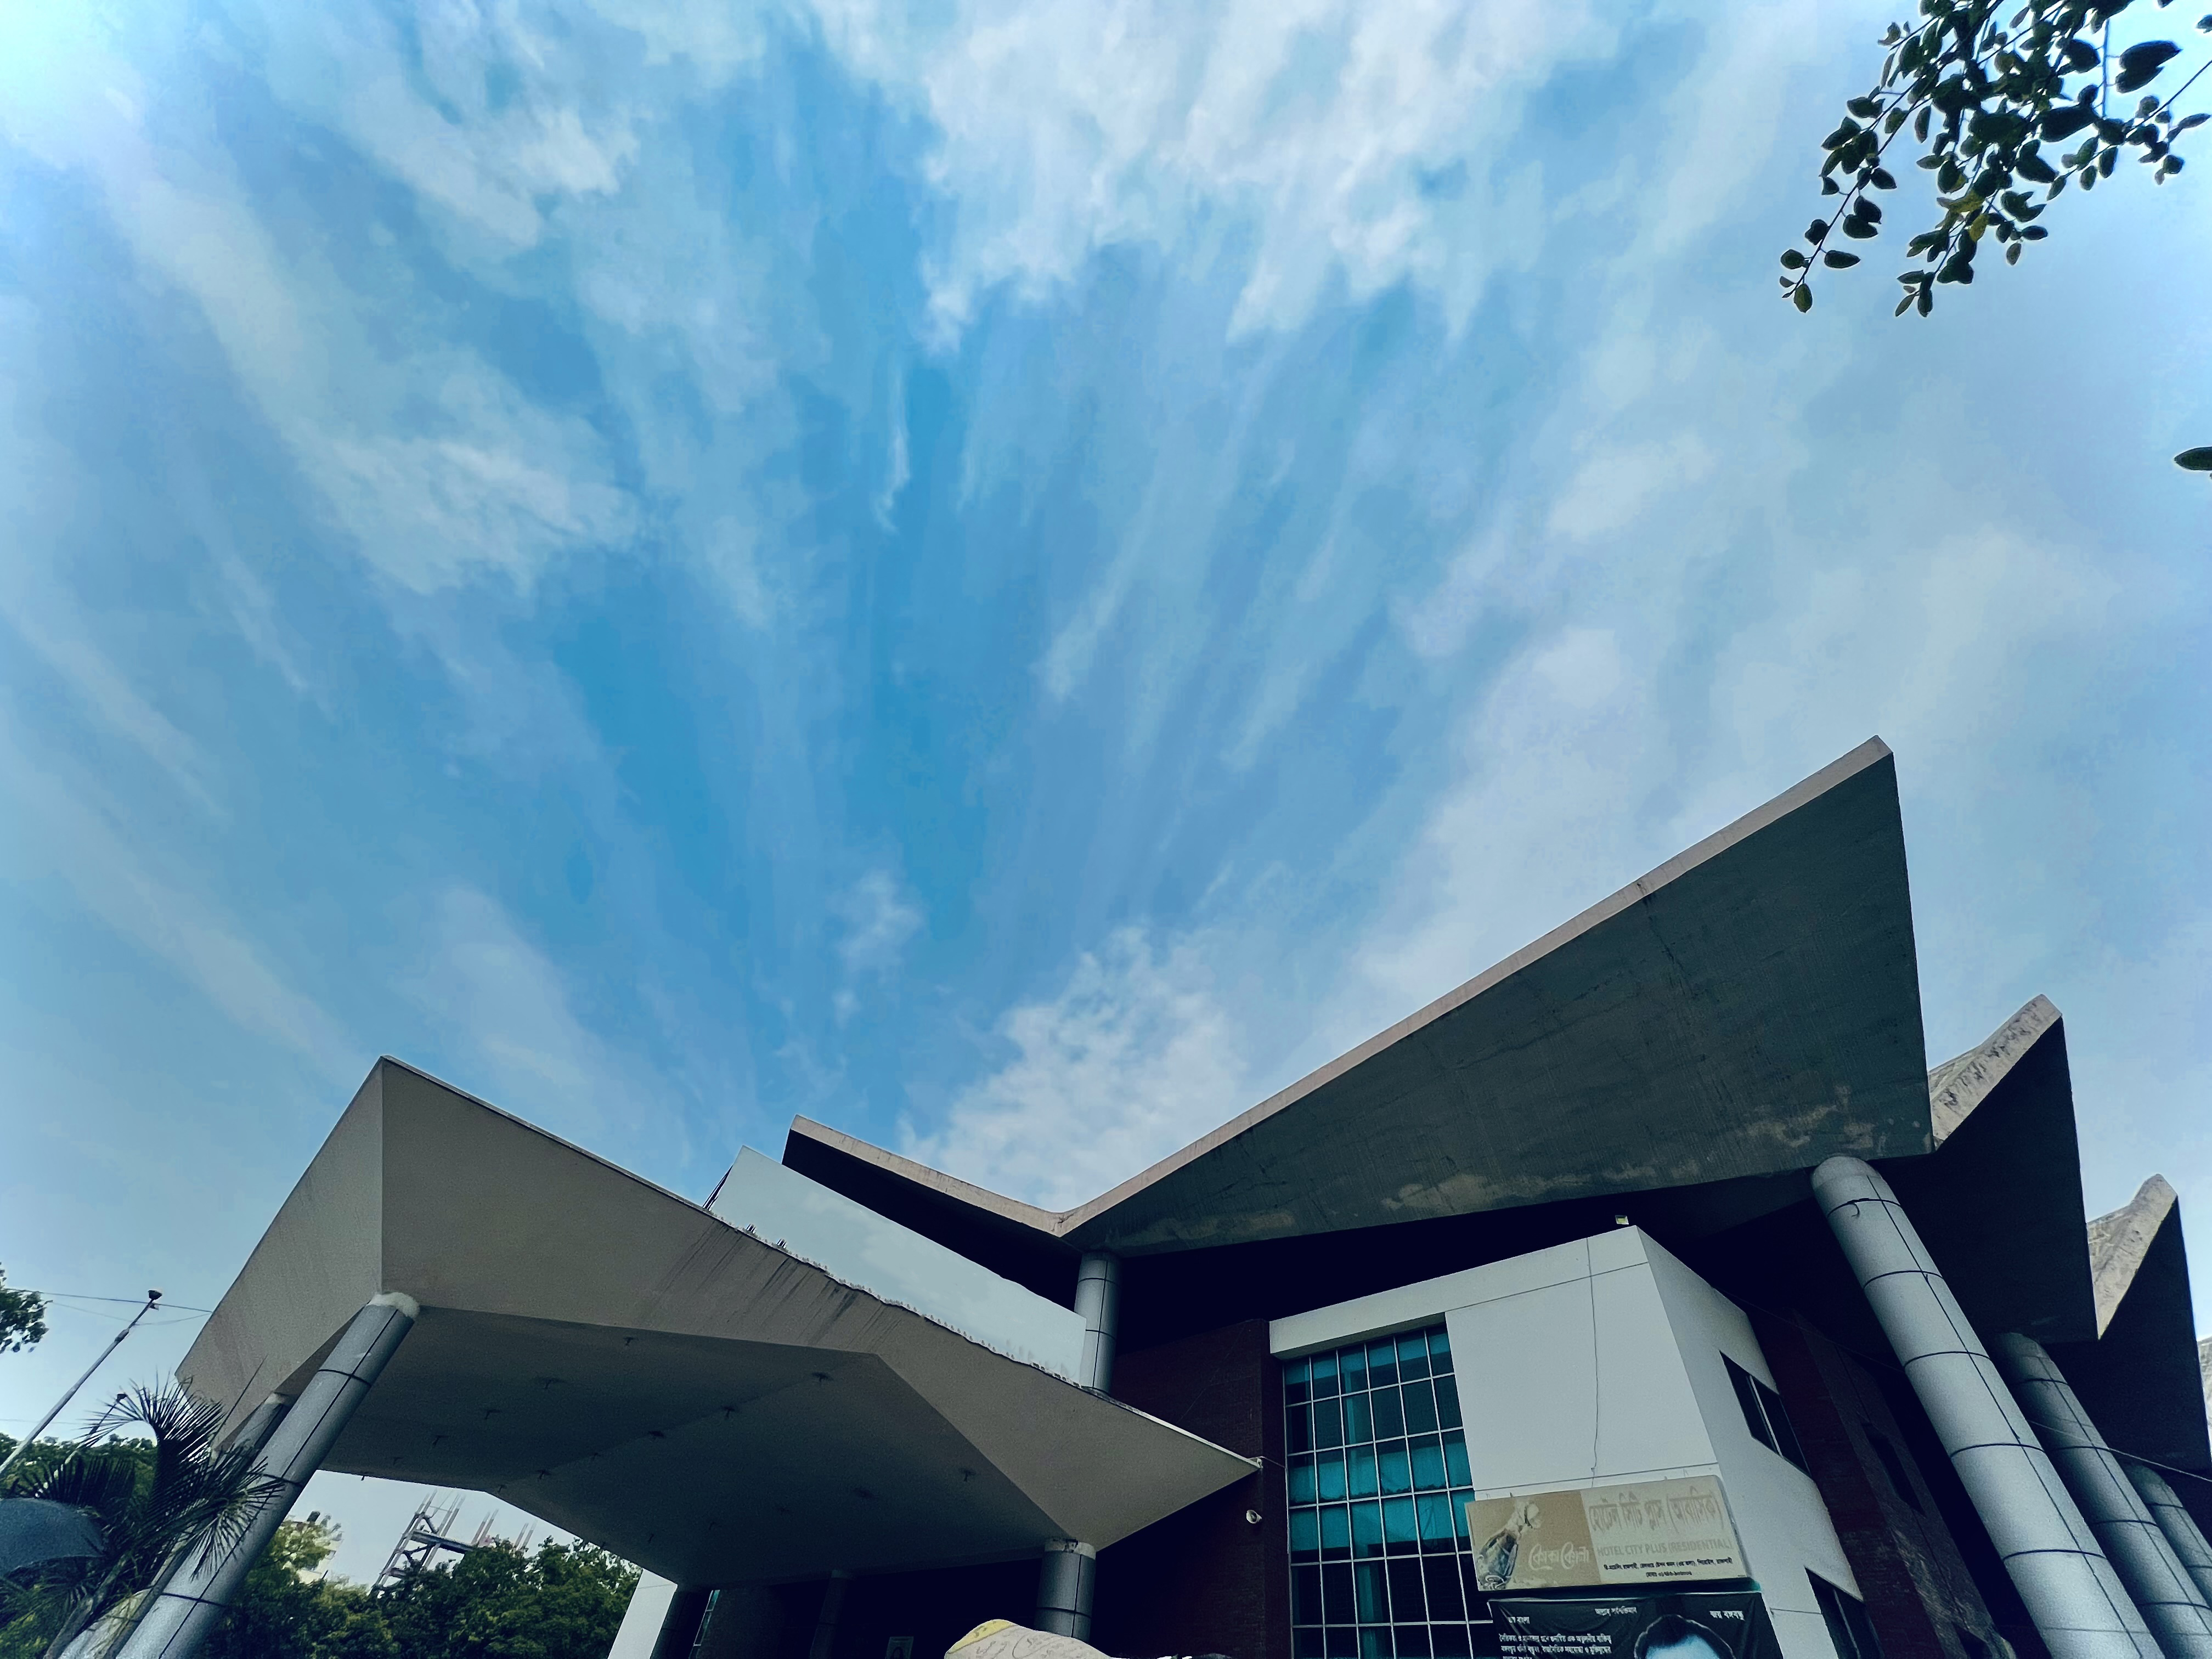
621, 1362
1748, 1008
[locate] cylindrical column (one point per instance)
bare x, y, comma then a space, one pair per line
833, 1610
2163, 1591
201, 1591
1065, 1580
2071, 1592
1098, 1299
2180, 1526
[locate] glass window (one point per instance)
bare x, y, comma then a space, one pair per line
1359, 1469
1388, 1409
1892, 1465
1849, 1627
1328, 1469
1765, 1415
1377, 1479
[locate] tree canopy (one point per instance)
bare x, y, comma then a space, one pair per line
22, 1317
2006, 113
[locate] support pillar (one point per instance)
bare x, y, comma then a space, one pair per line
200, 1592
2180, 1526
833, 1610
2163, 1591
1098, 1299
1064, 1580
2077, 1601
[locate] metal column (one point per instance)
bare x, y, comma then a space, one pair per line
1065, 1580
2180, 1526
2163, 1591
1098, 1299
197, 1595
2077, 1601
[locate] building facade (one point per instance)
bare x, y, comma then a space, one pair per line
1648, 1294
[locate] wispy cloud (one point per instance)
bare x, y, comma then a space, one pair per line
1133, 1057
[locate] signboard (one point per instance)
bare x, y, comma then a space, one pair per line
1691, 1625
1653, 1532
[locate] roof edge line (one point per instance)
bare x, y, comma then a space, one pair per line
1805, 790
1048, 1222
1959, 1086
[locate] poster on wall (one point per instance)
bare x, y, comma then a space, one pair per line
1687, 1624
1650, 1533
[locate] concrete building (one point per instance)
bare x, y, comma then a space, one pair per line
1647, 1292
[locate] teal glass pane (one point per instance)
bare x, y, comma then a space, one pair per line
1324, 1375
1302, 1481
1335, 1528
1459, 1513
1328, 1422
1420, 1408
1456, 1458
1398, 1528
1413, 1357
1329, 1470
1447, 1401
1388, 1407
1434, 1508
1373, 1594
1366, 1529
1429, 1463
1295, 1375
1359, 1425
1374, 1644
1440, 1363
1352, 1369
1306, 1535
1360, 1471
1381, 1363
1396, 1471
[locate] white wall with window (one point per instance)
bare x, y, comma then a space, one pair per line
1604, 1361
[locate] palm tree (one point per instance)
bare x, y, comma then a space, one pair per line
155, 1501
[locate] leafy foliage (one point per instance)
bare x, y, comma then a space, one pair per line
564, 1603
1982, 98
154, 1495
22, 1319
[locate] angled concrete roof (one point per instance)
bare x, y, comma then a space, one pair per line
2142, 1377
1749, 1007
624, 1365
1999, 1203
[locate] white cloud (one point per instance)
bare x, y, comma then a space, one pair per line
1615, 486
1134, 1057
1344, 141
879, 917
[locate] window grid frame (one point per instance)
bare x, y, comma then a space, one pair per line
1376, 1481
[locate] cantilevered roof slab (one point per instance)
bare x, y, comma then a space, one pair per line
1999, 1203
621, 1362
1750, 1007
2140, 1379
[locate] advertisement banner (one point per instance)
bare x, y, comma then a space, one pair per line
1653, 1532
1684, 1624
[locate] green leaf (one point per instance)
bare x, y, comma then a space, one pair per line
1865, 108
2196, 120
1836, 259
2012, 253
1880, 180
1903, 306
1816, 230
2196, 460
1859, 230
1920, 124
1801, 297
2080, 56
1792, 259
1927, 298
2035, 168
2066, 120
1869, 211
2140, 65
1893, 121
2033, 233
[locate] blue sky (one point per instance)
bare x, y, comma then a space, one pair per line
1011, 578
